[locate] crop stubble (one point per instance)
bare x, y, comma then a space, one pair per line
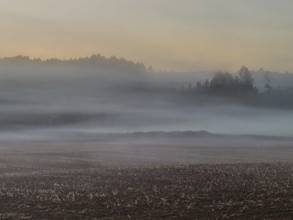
202, 191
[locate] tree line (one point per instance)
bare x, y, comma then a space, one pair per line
95, 61
226, 84
242, 88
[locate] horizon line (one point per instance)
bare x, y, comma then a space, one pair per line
147, 67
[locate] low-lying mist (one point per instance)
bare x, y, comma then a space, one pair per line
70, 99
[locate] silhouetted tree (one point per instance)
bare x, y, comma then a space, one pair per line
206, 84
222, 83
198, 85
246, 82
268, 86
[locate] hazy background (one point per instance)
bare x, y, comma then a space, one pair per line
184, 42
87, 96
167, 34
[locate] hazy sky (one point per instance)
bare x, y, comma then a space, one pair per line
167, 34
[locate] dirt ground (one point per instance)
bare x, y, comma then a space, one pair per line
83, 181
226, 191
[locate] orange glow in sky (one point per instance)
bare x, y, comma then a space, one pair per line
171, 35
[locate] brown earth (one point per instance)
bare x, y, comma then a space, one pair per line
218, 191
139, 180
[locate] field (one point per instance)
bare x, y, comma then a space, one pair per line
106, 180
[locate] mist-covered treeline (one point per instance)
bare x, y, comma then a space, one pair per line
241, 88
98, 94
97, 61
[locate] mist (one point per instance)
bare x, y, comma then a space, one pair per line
96, 95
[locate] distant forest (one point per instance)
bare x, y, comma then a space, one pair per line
221, 86
240, 88
96, 61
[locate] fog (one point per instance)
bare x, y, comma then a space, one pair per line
64, 99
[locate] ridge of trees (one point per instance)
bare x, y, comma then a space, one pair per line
96, 60
226, 84
242, 88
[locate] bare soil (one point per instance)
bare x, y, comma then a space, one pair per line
219, 191
82, 180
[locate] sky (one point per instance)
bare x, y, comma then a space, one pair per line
171, 35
